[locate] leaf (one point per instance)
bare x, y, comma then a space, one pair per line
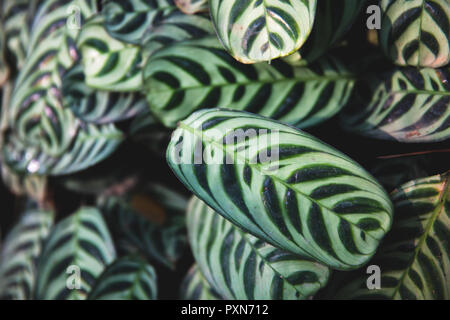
151, 224
255, 31
127, 278
199, 74
4, 68
41, 132
192, 6
414, 258
333, 20
240, 266
82, 241
30, 185
16, 16
175, 27
98, 106
416, 32
282, 185
20, 250
91, 144
130, 21
109, 64
406, 104
195, 287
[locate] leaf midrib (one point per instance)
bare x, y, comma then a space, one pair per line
436, 212
257, 168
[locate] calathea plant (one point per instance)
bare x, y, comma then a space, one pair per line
310, 147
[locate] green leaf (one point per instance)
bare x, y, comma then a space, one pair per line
240, 266
282, 185
131, 20
16, 16
414, 258
109, 64
333, 20
405, 104
20, 250
199, 74
98, 106
127, 278
416, 32
150, 223
255, 31
195, 287
82, 241
192, 6
175, 27
91, 144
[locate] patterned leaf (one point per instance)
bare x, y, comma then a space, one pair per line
30, 185
333, 20
80, 241
282, 185
254, 31
127, 278
195, 287
177, 85
20, 250
17, 18
131, 20
407, 104
414, 259
109, 64
240, 266
192, 6
98, 106
4, 68
153, 228
175, 27
92, 144
37, 122
416, 32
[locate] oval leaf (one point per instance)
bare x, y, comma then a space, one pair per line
127, 278
407, 105
21, 248
240, 266
195, 287
414, 258
199, 74
416, 32
255, 31
75, 253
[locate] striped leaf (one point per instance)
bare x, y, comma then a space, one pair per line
37, 121
151, 224
98, 106
91, 145
82, 241
192, 6
282, 185
240, 266
127, 278
175, 27
333, 20
20, 250
416, 32
109, 64
414, 259
29, 185
199, 74
406, 104
17, 18
255, 31
195, 287
131, 20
